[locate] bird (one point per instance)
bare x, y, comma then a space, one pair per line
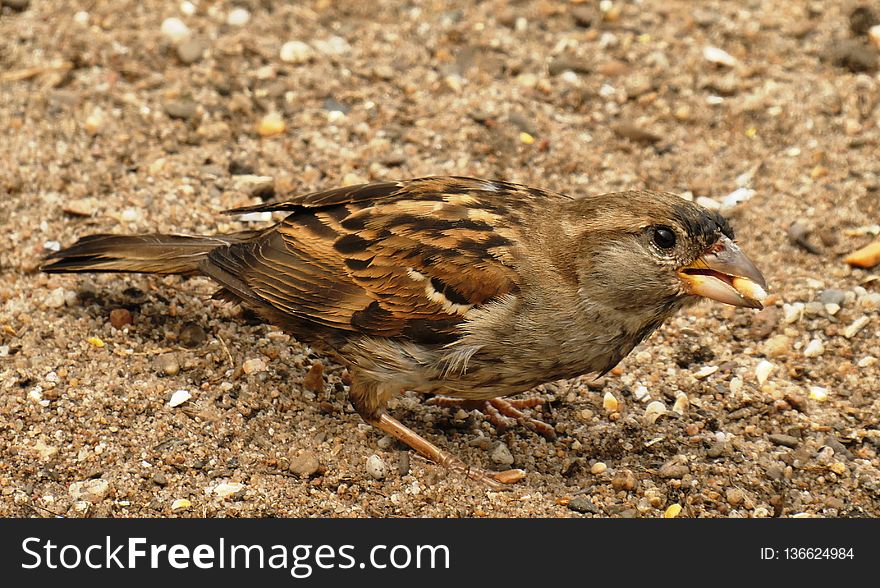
469, 289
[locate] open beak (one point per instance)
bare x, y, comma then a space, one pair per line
725, 274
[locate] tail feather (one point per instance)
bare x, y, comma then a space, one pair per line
152, 254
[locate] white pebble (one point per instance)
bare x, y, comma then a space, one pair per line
334, 45
131, 214
295, 52
641, 393
187, 8
52, 246
227, 489
705, 371
654, 411
763, 371
867, 361
856, 326
175, 30
376, 467
179, 397
736, 384
81, 18
682, 403
832, 308
238, 17
253, 365
814, 348
791, 313
720, 56
55, 298
818, 393
598, 468
874, 35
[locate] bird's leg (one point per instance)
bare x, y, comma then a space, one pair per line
502, 413
495, 480
369, 400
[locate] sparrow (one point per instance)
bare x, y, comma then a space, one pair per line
466, 288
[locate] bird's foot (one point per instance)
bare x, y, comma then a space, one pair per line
495, 480
502, 413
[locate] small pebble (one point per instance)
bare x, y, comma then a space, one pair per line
582, 504
777, 346
609, 402
791, 313
705, 371
314, 379
654, 411
857, 325
501, 455
734, 496
673, 469
814, 348
719, 56
89, 490
238, 17
376, 467
94, 122
305, 465
179, 397
867, 361
192, 335
270, 125
182, 109
175, 30
159, 479
167, 365
763, 371
181, 504
253, 365
119, 317
403, 463
295, 52
55, 299
332, 46
682, 403
598, 468
784, 440
96, 342
623, 480
832, 296
641, 393
672, 511
227, 489
818, 393
191, 51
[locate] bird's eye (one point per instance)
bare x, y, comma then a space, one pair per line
664, 237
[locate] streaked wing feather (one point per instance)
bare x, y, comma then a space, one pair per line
394, 259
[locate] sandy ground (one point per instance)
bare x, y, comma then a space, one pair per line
109, 125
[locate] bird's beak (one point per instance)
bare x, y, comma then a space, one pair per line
725, 274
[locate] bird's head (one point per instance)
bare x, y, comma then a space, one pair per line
653, 252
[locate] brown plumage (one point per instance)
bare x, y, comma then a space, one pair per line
468, 288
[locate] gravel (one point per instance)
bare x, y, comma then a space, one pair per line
560, 95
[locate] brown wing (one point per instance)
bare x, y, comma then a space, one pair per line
403, 259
